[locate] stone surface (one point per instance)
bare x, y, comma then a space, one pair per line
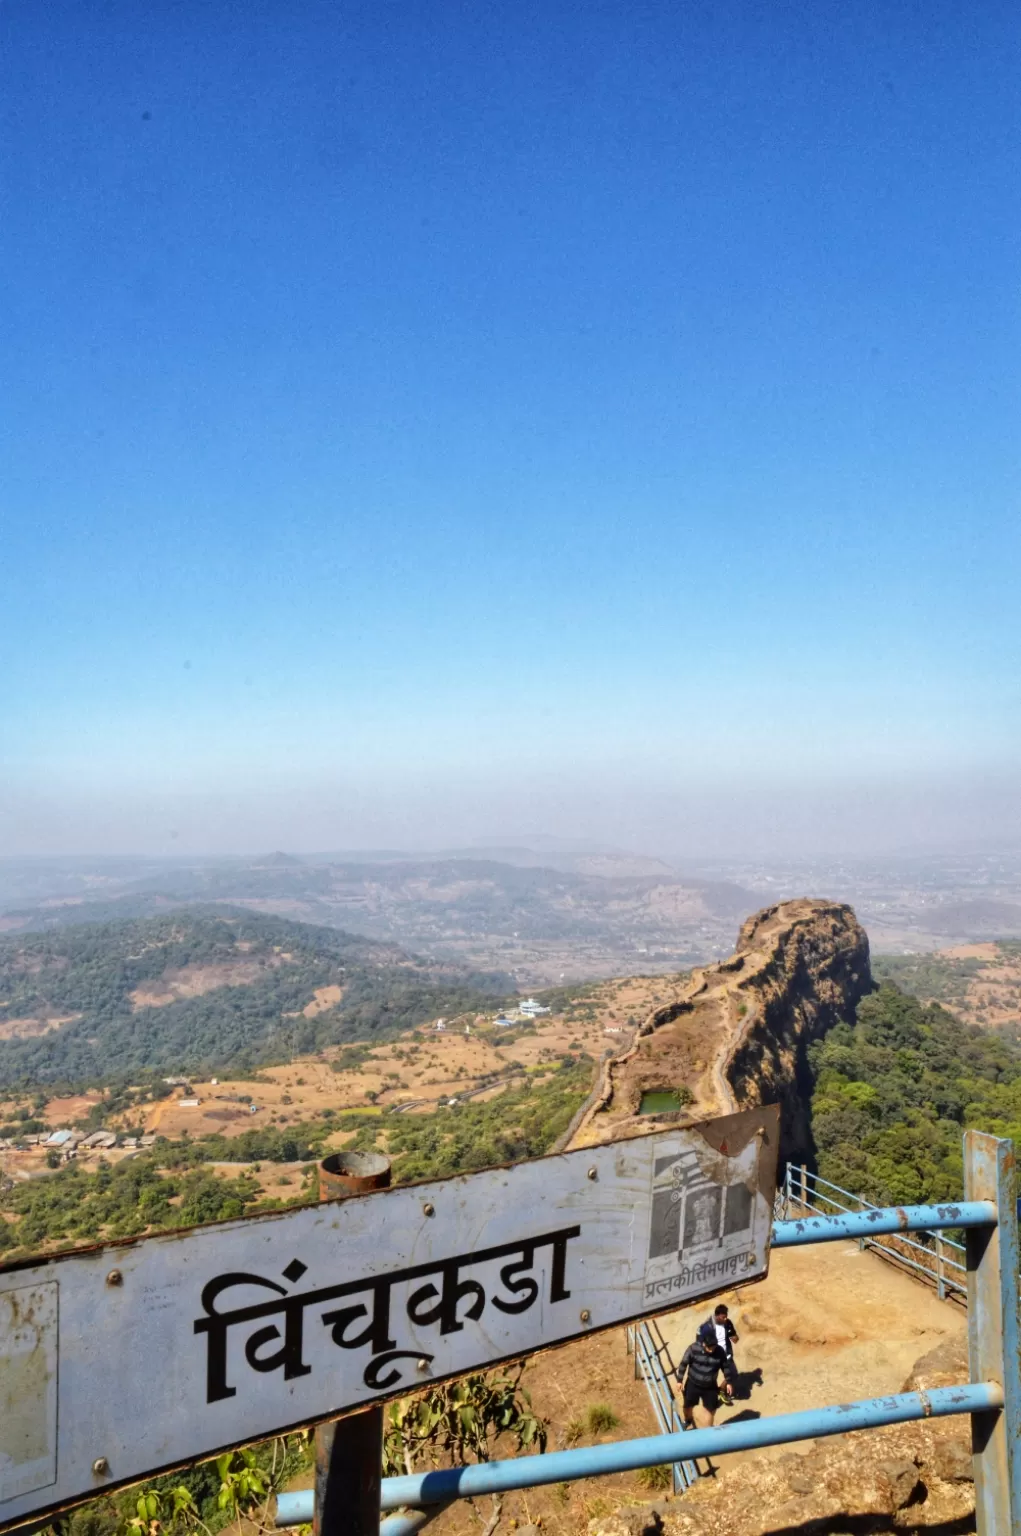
640, 1519
952, 1462
944, 1366
904, 1484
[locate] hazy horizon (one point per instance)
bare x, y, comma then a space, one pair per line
771, 822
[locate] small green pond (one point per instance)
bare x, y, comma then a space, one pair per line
659, 1102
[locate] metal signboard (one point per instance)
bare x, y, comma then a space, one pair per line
119, 1362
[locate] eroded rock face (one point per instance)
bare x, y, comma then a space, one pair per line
905, 1477
737, 1037
813, 973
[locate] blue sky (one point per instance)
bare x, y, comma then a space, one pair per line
431, 422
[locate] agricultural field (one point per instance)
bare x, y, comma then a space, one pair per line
426, 1067
980, 983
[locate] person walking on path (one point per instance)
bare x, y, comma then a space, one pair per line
726, 1337
699, 1372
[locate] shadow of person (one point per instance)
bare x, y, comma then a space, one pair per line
744, 1417
742, 1383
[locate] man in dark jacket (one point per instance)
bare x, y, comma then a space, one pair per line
726, 1337
699, 1370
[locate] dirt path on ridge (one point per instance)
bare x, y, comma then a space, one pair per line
828, 1325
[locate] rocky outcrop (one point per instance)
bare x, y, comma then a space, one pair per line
814, 972
909, 1477
737, 1035
904, 1477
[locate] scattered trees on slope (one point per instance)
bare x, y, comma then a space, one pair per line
172, 1184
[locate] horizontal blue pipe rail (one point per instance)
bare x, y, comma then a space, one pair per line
792, 1192
937, 1258
629, 1455
903, 1218
298, 1508
295, 1508
450, 1483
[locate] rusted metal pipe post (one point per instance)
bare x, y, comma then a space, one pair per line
349, 1451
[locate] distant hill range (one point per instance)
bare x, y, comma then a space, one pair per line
540, 916
978, 919
197, 988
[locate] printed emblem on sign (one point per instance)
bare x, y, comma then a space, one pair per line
702, 1217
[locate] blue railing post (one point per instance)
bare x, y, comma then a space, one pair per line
992, 1263
941, 1289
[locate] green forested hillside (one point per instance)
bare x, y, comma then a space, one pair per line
517, 1124
894, 1092
172, 1185
253, 976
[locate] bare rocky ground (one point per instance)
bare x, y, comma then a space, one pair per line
830, 1325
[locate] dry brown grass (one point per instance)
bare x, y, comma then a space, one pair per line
325, 997
992, 996
196, 980
425, 1064
30, 1029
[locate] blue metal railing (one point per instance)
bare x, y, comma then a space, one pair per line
941, 1263
426, 1489
630, 1455
647, 1344
993, 1398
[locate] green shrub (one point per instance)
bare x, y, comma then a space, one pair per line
600, 1418
655, 1479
